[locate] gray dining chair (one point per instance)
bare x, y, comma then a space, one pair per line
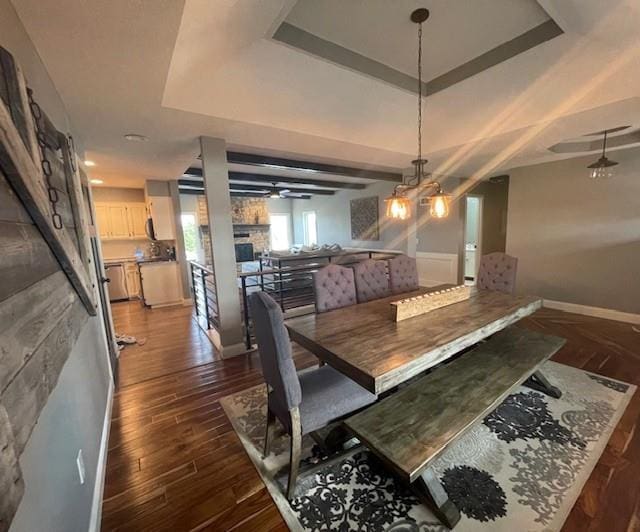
498, 272
403, 274
334, 287
371, 280
303, 403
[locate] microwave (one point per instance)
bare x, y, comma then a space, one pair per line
244, 252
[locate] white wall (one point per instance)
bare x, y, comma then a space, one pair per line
334, 222
578, 240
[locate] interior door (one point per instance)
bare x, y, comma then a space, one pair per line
118, 221
137, 217
106, 309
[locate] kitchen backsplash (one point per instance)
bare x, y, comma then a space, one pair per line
120, 249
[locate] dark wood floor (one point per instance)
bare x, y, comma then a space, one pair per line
174, 342
174, 462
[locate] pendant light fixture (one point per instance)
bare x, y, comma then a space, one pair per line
603, 167
398, 204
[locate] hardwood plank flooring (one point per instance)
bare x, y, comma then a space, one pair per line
174, 342
174, 462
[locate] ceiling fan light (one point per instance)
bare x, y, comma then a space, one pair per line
274, 195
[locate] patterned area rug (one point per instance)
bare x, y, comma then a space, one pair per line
521, 469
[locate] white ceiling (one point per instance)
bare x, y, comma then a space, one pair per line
175, 70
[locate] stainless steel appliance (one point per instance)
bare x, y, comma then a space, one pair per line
117, 287
148, 228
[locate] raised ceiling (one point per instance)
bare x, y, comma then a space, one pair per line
374, 37
176, 70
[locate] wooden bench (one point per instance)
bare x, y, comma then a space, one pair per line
412, 427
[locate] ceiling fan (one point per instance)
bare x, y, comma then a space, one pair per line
274, 193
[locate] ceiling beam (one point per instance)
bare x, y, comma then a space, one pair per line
266, 161
263, 178
268, 188
192, 183
191, 191
266, 178
234, 194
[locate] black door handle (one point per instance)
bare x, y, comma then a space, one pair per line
105, 280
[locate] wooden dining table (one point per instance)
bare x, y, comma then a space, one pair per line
363, 341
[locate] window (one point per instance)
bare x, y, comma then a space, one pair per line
310, 228
279, 231
190, 232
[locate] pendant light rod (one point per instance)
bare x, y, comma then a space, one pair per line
604, 142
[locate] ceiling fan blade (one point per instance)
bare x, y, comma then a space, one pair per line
284, 191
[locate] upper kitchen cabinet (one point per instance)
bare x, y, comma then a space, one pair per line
161, 212
137, 216
121, 221
158, 197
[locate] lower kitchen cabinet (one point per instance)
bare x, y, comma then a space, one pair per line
133, 280
160, 283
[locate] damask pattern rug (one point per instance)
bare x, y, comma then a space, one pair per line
521, 469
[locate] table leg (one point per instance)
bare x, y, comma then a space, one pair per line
430, 491
540, 383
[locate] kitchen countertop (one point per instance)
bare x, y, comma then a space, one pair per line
135, 260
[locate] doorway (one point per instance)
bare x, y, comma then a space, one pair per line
472, 238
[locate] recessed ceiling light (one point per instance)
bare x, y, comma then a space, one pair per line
96, 181
136, 138
87, 162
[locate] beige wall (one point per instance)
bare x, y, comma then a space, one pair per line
334, 218
132, 195
578, 240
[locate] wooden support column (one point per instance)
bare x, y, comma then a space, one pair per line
216, 183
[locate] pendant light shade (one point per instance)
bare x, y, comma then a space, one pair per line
398, 207
603, 167
439, 205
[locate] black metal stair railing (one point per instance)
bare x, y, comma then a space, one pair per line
205, 298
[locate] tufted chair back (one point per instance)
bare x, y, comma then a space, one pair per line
403, 274
498, 272
371, 280
334, 288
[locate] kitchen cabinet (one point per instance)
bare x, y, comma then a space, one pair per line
137, 217
161, 212
160, 283
121, 221
133, 280
102, 220
118, 221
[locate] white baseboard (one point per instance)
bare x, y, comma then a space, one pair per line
101, 467
597, 312
437, 268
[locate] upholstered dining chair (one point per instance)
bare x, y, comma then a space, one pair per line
334, 287
403, 274
498, 272
371, 280
303, 403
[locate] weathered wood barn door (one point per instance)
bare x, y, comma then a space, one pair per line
47, 279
